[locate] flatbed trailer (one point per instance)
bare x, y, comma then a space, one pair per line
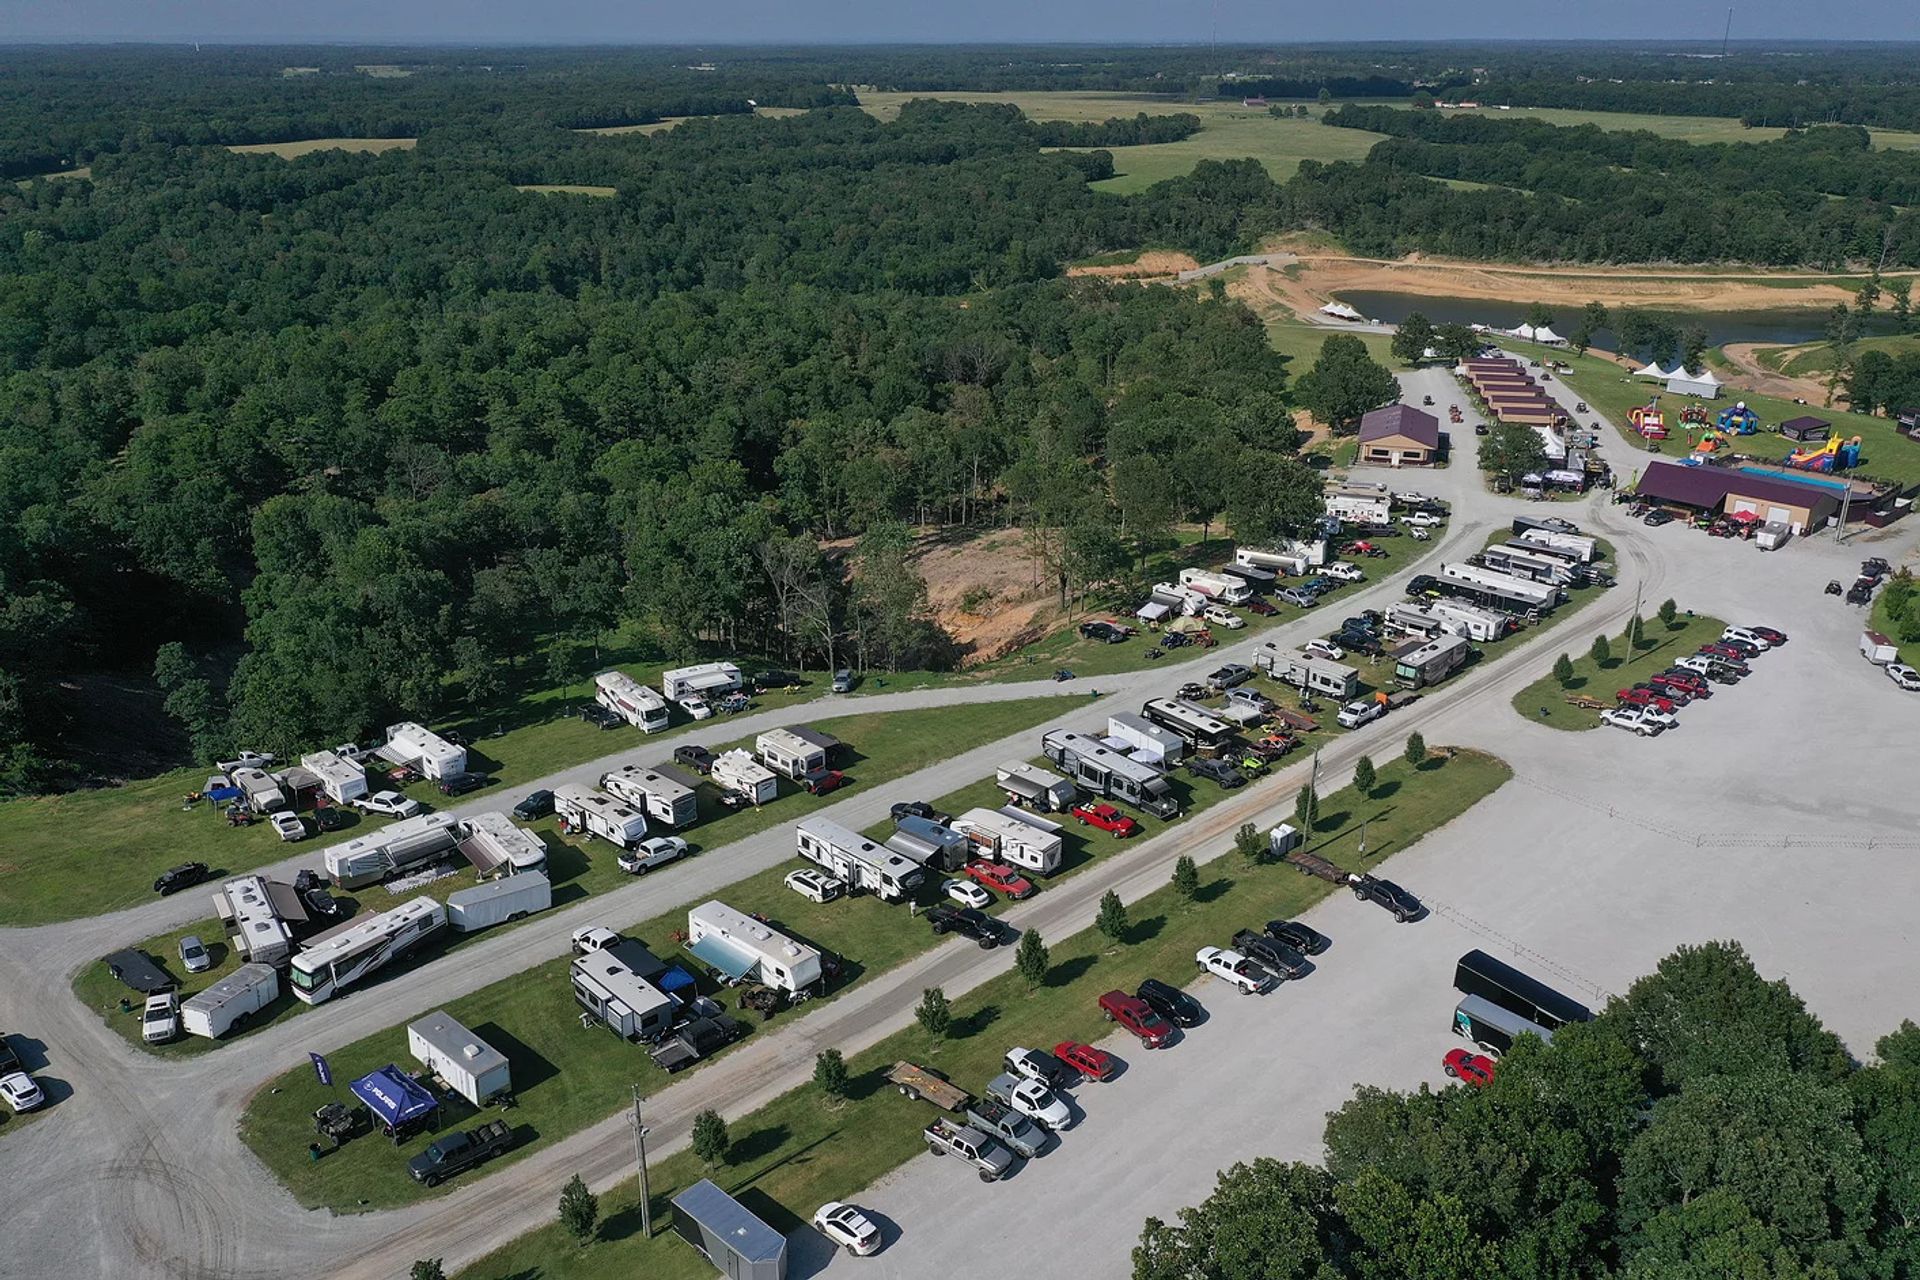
1313, 864
918, 1082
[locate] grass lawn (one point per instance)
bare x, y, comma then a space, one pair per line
307, 146
1816, 359
881, 746
1660, 644
801, 1151
1886, 626
1301, 343
1686, 128
1228, 131
568, 189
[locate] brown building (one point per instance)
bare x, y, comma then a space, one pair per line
1400, 436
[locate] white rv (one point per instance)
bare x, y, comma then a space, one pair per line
1414, 620
232, 1000
1303, 671
1048, 792
342, 779
1185, 599
1461, 619
413, 744
344, 956
666, 801
1360, 503
476, 1070
261, 789
857, 860
615, 985
257, 928
1216, 586
1007, 836
632, 701
738, 772
498, 901
1106, 772
1145, 740
1525, 564
408, 843
1501, 588
706, 680
748, 950
1431, 662
786, 752
496, 847
1585, 549
598, 814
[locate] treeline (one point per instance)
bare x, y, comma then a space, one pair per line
1874, 103
1117, 132
1705, 1126
1338, 86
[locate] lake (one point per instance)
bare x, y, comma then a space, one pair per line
1786, 326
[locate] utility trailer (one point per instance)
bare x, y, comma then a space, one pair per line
230, 1001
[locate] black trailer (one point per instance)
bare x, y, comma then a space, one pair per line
1479, 974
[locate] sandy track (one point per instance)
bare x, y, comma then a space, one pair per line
1756, 377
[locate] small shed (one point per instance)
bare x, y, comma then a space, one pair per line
727, 1235
1805, 428
471, 1067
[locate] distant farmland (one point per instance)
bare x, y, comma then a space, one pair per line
668, 122
307, 146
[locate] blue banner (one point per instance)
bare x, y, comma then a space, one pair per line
321, 1069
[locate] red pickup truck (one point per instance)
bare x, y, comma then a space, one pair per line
1137, 1016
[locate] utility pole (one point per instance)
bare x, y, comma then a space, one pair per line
640, 1158
1728, 33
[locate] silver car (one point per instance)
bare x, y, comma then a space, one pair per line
193, 954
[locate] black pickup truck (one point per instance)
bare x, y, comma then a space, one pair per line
456, 1152
696, 1039
968, 921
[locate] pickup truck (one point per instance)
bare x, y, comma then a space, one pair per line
1248, 977
696, 1039
1031, 1099
997, 1120
1389, 895
989, 1158
967, 921
9, 1060
456, 1152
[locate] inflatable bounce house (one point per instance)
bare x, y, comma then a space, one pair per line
1829, 455
1648, 420
1710, 440
1694, 415
1739, 420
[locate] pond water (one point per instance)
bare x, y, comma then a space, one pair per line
1786, 325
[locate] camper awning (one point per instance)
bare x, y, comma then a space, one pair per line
480, 854
723, 957
1152, 611
1025, 788
393, 1095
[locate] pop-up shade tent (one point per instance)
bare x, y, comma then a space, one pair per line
393, 1096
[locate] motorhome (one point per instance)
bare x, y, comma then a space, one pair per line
230, 1001
412, 744
1522, 564
666, 801
496, 847
1006, 835
787, 753
632, 701
615, 986
596, 813
259, 916
344, 956
1144, 740
342, 779
1431, 662
397, 847
1304, 671
1047, 792
1461, 619
1414, 620
857, 860
1185, 599
498, 901
935, 847
741, 774
1500, 589
745, 949
261, 789
708, 680
1109, 774
1216, 586
1202, 730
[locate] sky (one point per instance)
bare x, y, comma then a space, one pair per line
942, 21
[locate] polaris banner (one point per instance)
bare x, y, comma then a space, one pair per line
321, 1069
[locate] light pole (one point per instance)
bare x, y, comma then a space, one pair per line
640, 1158
1363, 836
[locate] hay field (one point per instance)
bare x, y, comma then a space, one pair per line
307, 146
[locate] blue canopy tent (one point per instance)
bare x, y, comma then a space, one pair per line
675, 979
396, 1099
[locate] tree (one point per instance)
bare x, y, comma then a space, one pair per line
1866, 296
1324, 96
1636, 633
1512, 450
1266, 1220
1601, 652
933, 1013
709, 1138
427, 1269
1416, 749
830, 1074
1186, 878
1900, 304
1539, 315
1272, 495
1669, 610
1693, 346
1422, 101
1411, 338
1345, 383
1251, 845
579, 1210
1456, 341
1031, 958
1593, 318
1306, 808
1112, 920
1363, 775
1563, 670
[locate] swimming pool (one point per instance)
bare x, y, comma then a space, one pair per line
1836, 487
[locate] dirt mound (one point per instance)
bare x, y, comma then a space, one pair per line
1151, 264
983, 593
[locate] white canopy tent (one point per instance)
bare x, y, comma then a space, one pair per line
1546, 334
1702, 384
1341, 311
1526, 331
1653, 370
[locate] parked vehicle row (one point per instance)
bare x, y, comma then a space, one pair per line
1648, 707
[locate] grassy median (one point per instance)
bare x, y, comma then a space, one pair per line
800, 1151
1545, 700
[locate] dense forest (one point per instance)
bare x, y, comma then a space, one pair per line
1704, 1127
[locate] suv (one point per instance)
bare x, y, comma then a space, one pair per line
777, 680
458, 784
967, 921
591, 938
184, 876
1229, 676
1171, 1003
697, 758
1137, 1016
918, 809
814, 885
843, 680
1745, 635
1219, 770
537, 805
820, 781
1221, 616
594, 713
1104, 632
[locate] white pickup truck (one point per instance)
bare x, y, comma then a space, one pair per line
1343, 571
1233, 967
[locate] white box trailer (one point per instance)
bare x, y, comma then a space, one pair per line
740, 773
416, 745
498, 901
598, 814
471, 1067
1007, 839
1045, 791
230, 1001
1105, 772
1460, 619
1877, 649
342, 779
786, 752
706, 680
1587, 549
408, 843
1304, 671
665, 800
632, 701
1146, 740
496, 847
1216, 586
257, 928
261, 789
857, 860
615, 986
336, 960
749, 950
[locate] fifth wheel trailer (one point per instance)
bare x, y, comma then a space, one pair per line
1106, 772
857, 860
1304, 671
705, 680
1047, 792
414, 744
397, 847
598, 814
632, 701
230, 1001
342, 779
668, 802
741, 774
343, 957
1011, 838
1522, 592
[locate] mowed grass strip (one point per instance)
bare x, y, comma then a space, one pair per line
1661, 644
881, 745
307, 146
801, 1150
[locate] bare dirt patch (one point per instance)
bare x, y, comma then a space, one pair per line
983, 593
1756, 377
1152, 264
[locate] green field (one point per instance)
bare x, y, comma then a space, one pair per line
1228, 131
307, 146
1300, 342
1817, 359
883, 746
1687, 128
1545, 699
800, 1151
567, 189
